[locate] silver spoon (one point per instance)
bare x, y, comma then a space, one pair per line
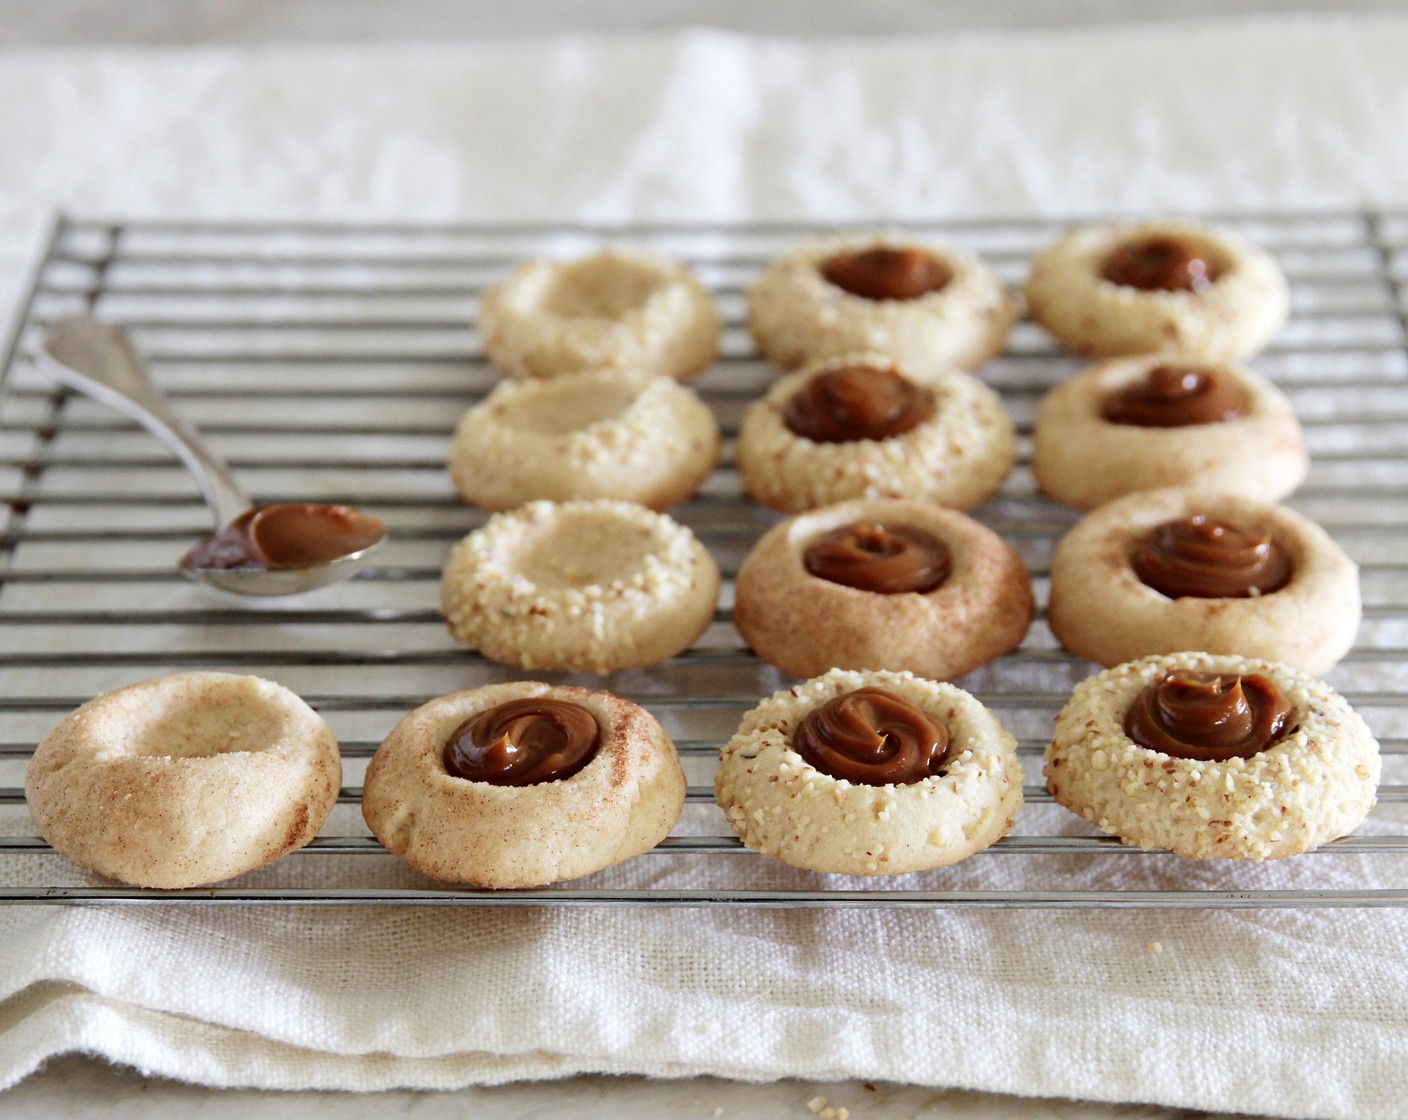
98, 360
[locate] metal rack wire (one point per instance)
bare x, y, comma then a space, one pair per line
331, 361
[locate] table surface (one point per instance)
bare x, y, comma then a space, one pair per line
74, 1088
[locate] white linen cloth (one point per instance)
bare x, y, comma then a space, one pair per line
1299, 1013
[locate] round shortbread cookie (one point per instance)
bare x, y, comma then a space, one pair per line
582, 586
1235, 315
805, 624
619, 309
1083, 459
622, 803
797, 315
958, 457
598, 434
1100, 609
1314, 784
184, 780
782, 806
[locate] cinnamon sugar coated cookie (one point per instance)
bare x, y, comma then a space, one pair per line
184, 780
1134, 288
1154, 421
619, 309
1313, 778
788, 808
598, 434
858, 426
929, 307
1233, 576
591, 586
882, 584
560, 782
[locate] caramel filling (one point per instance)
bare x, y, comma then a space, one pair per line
885, 558
873, 738
1210, 716
288, 535
1161, 264
1173, 397
1198, 557
886, 273
855, 403
523, 743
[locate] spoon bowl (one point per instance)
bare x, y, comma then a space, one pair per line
98, 360
287, 579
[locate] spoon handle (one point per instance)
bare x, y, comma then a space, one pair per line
98, 360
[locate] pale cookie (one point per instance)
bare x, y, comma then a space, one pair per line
805, 623
798, 315
959, 456
580, 586
1230, 309
619, 309
598, 434
786, 808
184, 780
1082, 458
1101, 609
623, 802
1314, 784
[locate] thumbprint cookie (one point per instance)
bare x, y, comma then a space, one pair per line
872, 773
617, 309
1135, 288
523, 784
928, 307
859, 426
876, 584
1213, 757
1167, 570
580, 586
1153, 421
184, 780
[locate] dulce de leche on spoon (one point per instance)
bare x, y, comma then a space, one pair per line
287, 535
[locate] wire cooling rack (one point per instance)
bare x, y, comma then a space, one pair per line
330, 362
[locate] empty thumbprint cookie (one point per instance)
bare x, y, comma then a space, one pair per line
859, 426
1213, 757
927, 307
589, 586
618, 309
1153, 421
874, 584
523, 784
184, 780
872, 773
1163, 285
1168, 570
599, 434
